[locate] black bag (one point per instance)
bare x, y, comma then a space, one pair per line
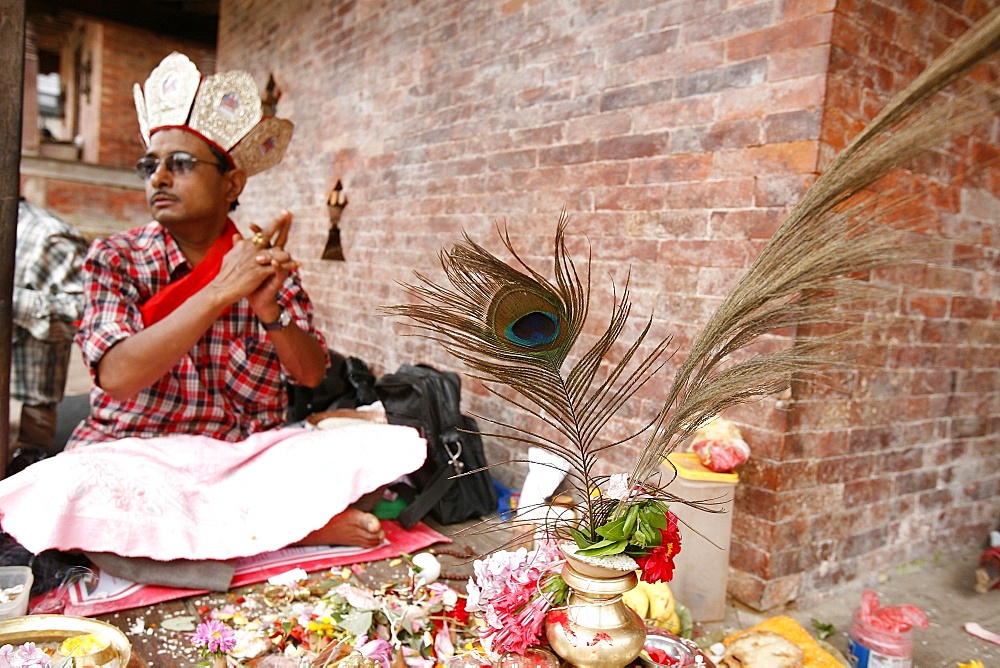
427, 399
348, 383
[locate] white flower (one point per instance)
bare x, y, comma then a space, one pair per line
449, 598
618, 486
472, 603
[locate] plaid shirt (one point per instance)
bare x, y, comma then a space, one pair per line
48, 299
228, 386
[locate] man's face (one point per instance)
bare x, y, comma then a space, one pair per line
200, 195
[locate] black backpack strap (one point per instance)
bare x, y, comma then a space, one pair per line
439, 485
428, 498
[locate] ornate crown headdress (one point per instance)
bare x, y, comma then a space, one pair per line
225, 109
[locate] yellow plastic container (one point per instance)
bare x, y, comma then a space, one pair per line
702, 567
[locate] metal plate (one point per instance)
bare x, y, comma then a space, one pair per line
56, 628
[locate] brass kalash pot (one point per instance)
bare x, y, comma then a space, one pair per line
595, 629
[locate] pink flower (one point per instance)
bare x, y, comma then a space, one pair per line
519, 626
25, 656
507, 592
444, 648
376, 650
214, 637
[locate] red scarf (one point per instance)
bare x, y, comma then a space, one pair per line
163, 303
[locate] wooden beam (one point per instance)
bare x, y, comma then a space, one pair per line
12, 24
164, 18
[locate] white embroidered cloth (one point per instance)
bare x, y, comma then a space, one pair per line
192, 497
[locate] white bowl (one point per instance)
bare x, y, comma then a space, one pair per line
12, 576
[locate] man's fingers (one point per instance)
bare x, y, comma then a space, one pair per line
283, 224
273, 236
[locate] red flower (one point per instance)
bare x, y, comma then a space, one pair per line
458, 613
658, 565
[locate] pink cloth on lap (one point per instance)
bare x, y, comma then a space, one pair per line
193, 497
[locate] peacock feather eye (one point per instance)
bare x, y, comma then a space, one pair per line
534, 329
527, 319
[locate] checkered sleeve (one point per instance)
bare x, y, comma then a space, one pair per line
48, 293
111, 304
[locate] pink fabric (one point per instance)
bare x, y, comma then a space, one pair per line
123, 595
193, 497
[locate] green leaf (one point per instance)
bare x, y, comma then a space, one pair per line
823, 629
604, 548
647, 536
558, 588
356, 622
635, 551
613, 530
581, 539
654, 515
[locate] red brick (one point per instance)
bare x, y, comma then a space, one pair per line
970, 307
740, 75
799, 63
728, 24
727, 193
632, 146
928, 305
641, 46
794, 9
683, 167
746, 224
806, 32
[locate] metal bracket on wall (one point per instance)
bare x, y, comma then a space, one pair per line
335, 203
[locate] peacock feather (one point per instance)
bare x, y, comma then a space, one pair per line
513, 327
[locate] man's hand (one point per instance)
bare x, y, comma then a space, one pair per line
299, 351
271, 254
257, 267
276, 234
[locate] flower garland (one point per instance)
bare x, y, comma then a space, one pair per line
513, 592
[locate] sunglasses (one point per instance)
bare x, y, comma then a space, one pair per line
178, 163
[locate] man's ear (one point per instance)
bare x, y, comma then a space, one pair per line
236, 180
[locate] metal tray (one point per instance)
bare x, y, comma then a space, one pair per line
56, 628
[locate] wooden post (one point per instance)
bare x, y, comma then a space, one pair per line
12, 26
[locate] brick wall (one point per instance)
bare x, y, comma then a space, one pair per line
127, 56
93, 209
676, 135
894, 460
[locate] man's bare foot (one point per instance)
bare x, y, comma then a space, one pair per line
351, 527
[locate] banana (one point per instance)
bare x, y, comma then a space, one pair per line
672, 624
661, 600
637, 600
655, 603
